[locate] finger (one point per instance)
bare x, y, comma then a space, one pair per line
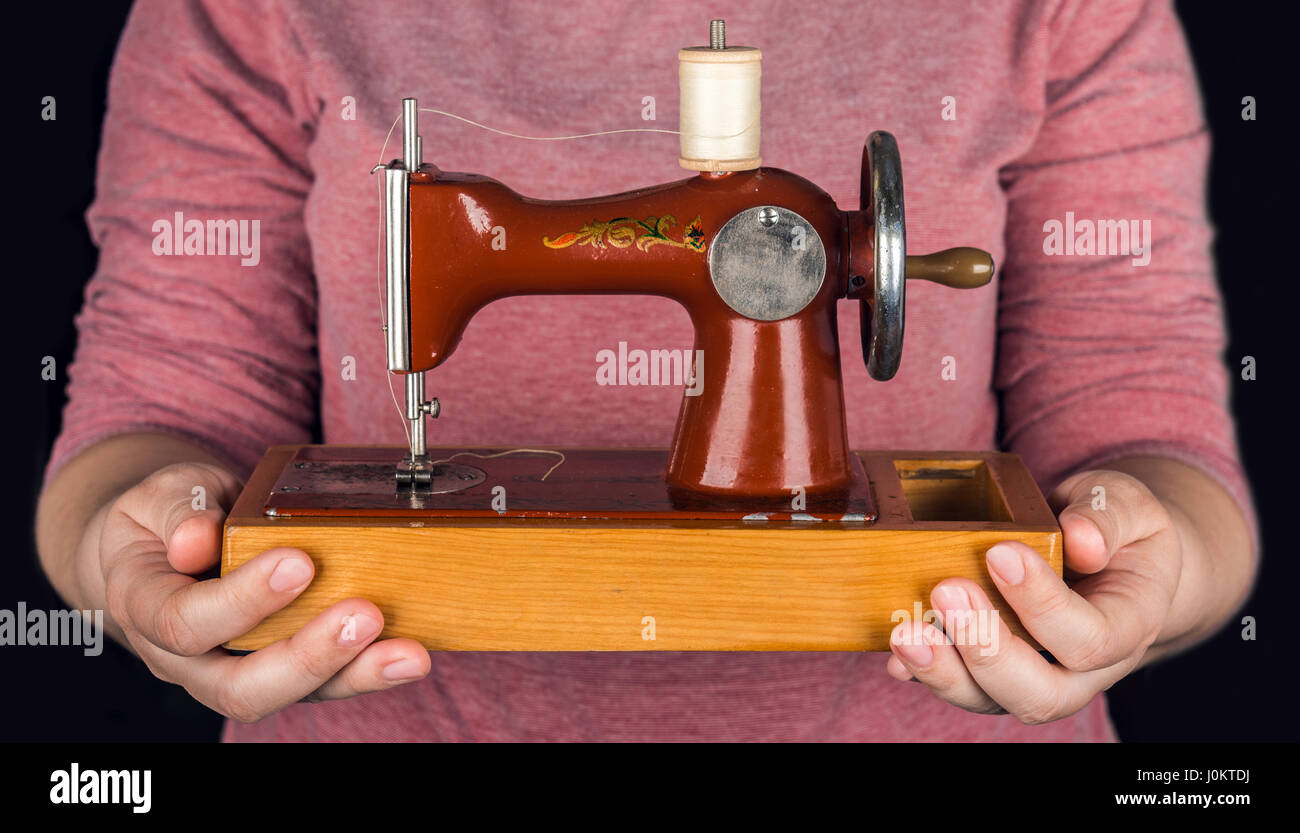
1065, 623
1102, 511
896, 669
251, 687
924, 653
908, 647
188, 617
1004, 666
383, 665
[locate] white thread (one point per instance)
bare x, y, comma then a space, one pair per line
720, 107
546, 138
559, 454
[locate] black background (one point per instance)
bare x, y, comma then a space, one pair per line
1226, 689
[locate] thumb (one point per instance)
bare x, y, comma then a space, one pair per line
185, 505
195, 545
1100, 512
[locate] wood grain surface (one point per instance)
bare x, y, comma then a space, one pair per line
524, 584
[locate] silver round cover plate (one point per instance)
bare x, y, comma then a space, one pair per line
767, 263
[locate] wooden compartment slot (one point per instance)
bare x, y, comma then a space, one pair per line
951, 490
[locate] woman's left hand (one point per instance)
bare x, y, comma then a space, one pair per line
1122, 544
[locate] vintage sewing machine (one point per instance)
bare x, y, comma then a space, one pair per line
759, 529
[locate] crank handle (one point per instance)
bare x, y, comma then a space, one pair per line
960, 268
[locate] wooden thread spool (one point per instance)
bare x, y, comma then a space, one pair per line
720, 107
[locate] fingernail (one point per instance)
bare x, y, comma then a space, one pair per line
357, 628
290, 574
952, 603
1005, 563
915, 655
1084, 532
403, 671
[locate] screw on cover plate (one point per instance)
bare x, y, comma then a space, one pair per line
717, 34
768, 216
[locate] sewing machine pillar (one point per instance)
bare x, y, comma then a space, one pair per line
771, 418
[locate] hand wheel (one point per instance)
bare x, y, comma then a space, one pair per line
881, 316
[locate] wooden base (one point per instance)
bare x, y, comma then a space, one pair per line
473, 583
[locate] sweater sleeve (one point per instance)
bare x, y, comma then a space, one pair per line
206, 331
1119, 353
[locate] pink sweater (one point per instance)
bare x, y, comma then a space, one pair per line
225, 110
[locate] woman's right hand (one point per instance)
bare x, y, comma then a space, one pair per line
149, 544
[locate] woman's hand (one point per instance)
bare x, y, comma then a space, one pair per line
148, 544
1124, 545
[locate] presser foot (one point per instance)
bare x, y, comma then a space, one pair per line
330, 479
415, 474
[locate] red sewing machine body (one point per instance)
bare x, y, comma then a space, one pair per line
771, 415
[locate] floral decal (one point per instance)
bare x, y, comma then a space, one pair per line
625, 232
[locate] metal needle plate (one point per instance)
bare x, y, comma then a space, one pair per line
343, 481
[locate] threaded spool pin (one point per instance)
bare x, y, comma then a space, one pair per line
720, 104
